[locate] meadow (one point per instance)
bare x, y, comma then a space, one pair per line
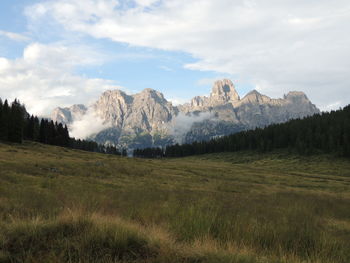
63, 205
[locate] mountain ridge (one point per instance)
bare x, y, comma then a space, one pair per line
147, 119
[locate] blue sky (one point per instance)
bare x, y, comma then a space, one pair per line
57, 53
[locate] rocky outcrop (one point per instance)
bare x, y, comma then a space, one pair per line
113, 107
223, 92
257, 110
150, 111
68, 115
148, 119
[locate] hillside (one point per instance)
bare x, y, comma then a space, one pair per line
148, 119
328, 132
63, 205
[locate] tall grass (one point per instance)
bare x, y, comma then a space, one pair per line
73, 239
96, 238
171, 211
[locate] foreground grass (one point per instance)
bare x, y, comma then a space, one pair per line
60, 205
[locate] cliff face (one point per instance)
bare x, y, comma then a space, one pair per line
223, 92
68, 115
148, 119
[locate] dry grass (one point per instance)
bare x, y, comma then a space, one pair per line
60, 205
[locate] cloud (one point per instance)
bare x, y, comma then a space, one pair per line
165, 68
177, 101
14, 36
182, 124
82, 128
333, 106
276, 45
209, 81
59, 55
44, 77
146, 3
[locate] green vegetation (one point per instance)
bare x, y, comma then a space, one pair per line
16, 124
64, 205
328, 132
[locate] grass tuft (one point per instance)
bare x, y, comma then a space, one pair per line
238, 207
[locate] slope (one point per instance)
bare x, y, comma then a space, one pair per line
62, 205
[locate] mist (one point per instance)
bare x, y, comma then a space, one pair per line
182, 124
87, 125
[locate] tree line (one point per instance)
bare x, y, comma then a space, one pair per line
17, 125
154, 152
328, 132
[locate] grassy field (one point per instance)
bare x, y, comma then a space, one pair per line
61, 205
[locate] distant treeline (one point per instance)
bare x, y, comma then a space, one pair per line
17, 125
328, 132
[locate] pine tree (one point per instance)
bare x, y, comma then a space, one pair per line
43, 131
16, 122
5, 117
1, 118
65, 135
29, 128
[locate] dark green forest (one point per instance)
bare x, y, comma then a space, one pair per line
17, 125
328, 132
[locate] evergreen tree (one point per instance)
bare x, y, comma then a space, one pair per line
1, 118
4, 121
29, 128
43, 131
16, 125
16, 122
36, 129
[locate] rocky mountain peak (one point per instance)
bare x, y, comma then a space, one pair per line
296, 95
199, 101
224, 91
255, 97
152, 94
78, 108
61, 115
149, 91
116, 94
112, 106
68, 114
150, 110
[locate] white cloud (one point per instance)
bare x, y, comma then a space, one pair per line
146, 3
59, 55
333, 106
304, 21
177, 101
44, 77
209, 81
287, 45
182, 124
14, 36
83, 128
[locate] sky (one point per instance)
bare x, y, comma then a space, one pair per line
62, 52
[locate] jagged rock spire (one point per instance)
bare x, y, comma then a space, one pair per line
224, 91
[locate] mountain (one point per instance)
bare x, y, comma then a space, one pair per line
68, 115
147, 119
